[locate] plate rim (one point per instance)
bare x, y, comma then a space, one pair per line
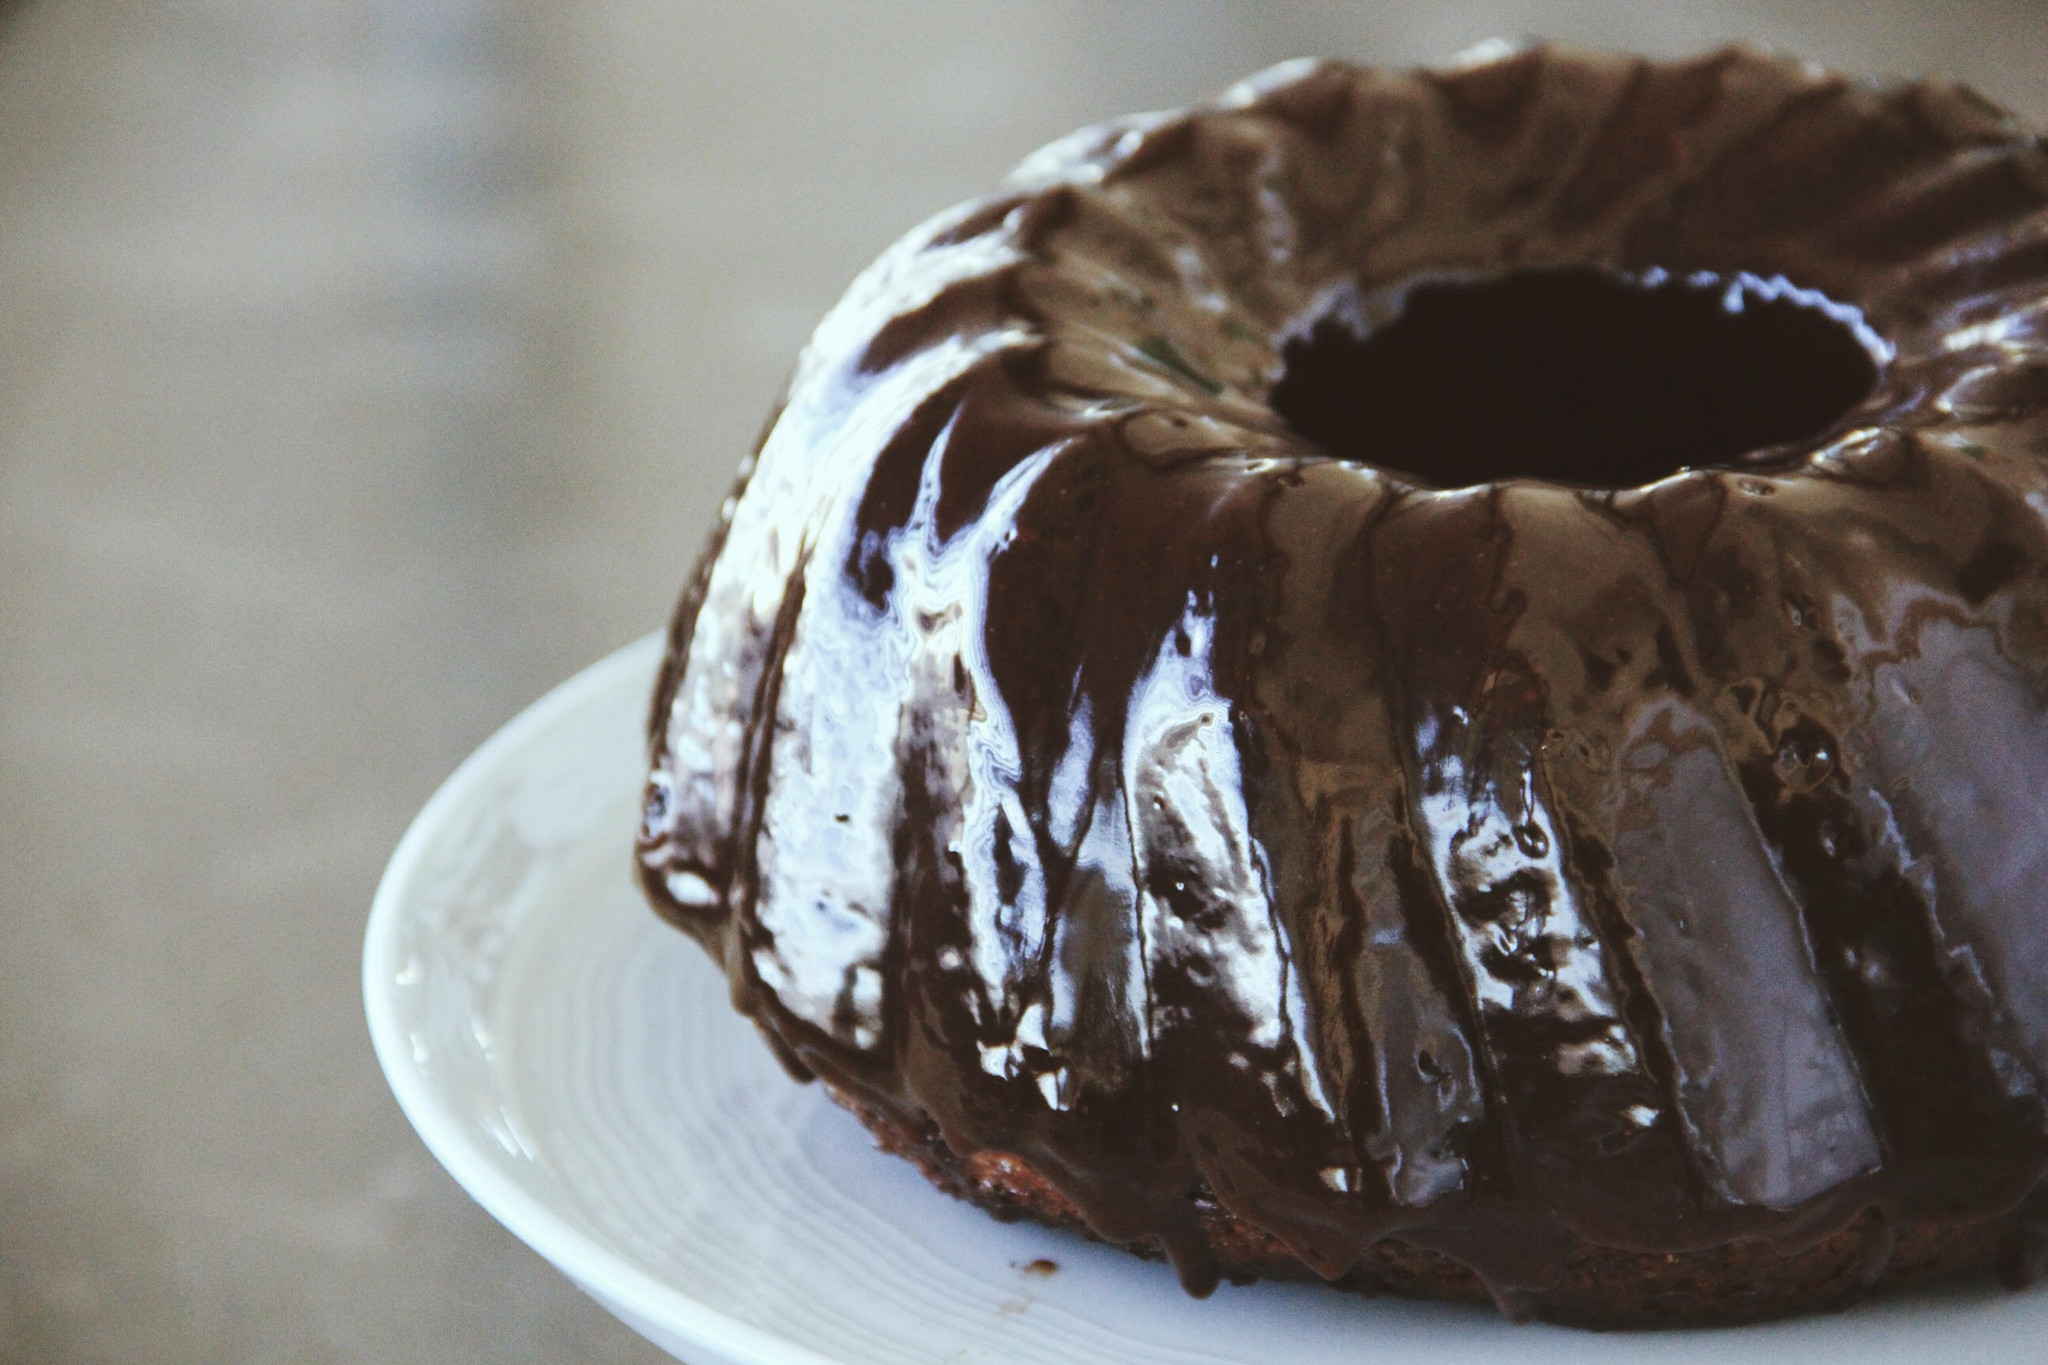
599, 1272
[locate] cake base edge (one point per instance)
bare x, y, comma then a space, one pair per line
1602, 1287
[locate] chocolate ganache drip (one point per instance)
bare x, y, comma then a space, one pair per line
1162, 707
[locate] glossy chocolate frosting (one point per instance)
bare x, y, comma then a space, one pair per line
1501, 853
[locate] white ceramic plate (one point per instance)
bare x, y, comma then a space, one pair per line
574, 1063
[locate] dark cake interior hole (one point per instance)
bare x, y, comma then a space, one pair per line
1576, 376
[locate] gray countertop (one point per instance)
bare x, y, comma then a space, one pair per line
366, 369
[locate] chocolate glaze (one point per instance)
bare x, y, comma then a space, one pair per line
1056, 744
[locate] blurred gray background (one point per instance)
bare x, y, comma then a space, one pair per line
366, 368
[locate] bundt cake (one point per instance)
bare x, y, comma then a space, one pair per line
1437, 679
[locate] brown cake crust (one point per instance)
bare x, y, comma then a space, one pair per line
1601, 1287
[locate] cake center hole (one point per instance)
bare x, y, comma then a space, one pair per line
1578, 376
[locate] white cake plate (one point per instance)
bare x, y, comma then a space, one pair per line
575, 1065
